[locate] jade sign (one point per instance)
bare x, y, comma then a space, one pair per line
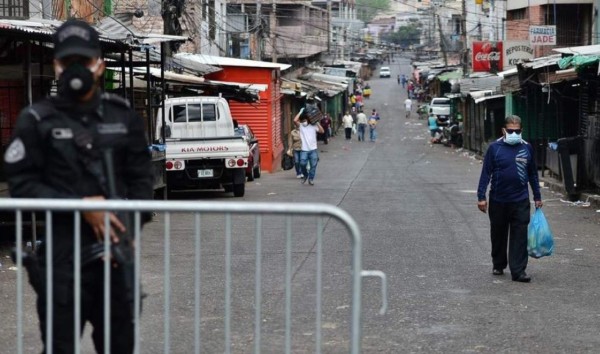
542, 35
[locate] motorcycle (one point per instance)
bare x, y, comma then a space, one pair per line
452, 133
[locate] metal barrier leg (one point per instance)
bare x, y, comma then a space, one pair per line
197, 284
167, 305
318, 338
107, 276
228, 283
19, 255
77, 283
288, 286
49, 285
137, 301
257, 286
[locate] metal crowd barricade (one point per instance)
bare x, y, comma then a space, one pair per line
197, 208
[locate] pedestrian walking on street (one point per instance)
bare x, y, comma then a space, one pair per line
348, 122
309, 153
434, 129
508, 167
373, 120
407, 107
399, 79
403, 80
361, 121
295, 143
326, 124
59, 147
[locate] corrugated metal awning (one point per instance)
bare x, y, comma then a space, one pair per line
120, 27
580, 50
485, 98
42, 29
225, 61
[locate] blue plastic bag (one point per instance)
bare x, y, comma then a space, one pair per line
540, 242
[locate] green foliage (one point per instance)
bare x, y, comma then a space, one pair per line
405, 35
367, 9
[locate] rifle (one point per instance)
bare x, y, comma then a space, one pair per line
122, 251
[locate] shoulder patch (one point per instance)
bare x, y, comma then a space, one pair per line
116, 99
15, 151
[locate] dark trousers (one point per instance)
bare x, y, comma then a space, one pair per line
508, 224
348, 132
92, 306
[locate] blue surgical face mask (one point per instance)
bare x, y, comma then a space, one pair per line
512, 139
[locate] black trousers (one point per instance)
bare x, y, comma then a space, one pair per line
508, 226
92, 306
348, 132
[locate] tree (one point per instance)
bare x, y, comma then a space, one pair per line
406, 35
367, 9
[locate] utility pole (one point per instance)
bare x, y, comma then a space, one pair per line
272, 27
442, 41
258, 35
465, 58
329, 29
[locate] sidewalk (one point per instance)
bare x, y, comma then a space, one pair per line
558, 186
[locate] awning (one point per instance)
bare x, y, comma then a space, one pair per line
291, 87
341, 81
452, 75
225, 61
317, 87
580, 50
120, 27
509, 72
485, 98
239, 91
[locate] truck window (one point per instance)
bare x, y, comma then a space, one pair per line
208, 114
441, 101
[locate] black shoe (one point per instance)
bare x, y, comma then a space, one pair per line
304, 179
497, 271
522, 278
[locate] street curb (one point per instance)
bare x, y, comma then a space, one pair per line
557, 186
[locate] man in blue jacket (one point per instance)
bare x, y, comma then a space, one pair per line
508, 167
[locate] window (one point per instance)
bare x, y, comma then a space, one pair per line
519, 14
208, 113
14, 9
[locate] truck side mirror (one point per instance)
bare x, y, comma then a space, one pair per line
167, 131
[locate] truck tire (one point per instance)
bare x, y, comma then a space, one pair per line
239, 190
257, 171
250, 176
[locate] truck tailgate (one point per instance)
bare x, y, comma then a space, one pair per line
207, 148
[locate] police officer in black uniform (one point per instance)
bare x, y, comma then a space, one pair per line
57, 152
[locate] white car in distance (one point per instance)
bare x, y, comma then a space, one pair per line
385, 72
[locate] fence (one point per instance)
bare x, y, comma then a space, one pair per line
193, 212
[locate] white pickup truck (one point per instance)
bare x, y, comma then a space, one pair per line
202, 151
440, 107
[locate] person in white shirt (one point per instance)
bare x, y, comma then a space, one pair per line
361, 120
408, 107
348, 121
309, 153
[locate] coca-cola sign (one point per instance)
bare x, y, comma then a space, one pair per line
487, 56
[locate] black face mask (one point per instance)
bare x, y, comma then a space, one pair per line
75, 81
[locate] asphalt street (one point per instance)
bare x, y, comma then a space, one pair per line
416, 207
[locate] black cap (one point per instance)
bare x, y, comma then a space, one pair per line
75, 37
